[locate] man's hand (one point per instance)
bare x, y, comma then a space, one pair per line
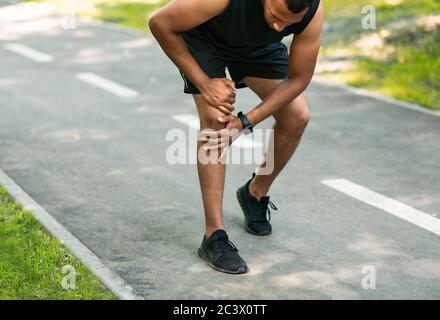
219, 93
223, 138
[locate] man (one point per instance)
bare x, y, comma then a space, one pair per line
203, 38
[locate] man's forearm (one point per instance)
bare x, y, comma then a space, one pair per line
175, 48
287, 90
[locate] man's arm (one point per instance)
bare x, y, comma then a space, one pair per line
181, 15
302, 61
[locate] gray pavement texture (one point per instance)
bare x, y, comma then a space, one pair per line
96, 162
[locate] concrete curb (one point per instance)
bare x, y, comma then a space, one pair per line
111, 280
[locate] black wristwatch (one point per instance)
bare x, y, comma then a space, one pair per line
247, 125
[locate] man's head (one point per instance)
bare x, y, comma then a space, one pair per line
297, 6
281, 13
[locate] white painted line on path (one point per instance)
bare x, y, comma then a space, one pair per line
107, 85
394, 207
29, 52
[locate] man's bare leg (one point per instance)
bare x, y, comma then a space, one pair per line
291, 122
211, 176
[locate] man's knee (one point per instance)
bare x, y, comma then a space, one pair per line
303, 117
208, 115
294, 118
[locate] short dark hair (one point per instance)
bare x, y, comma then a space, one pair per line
297, 6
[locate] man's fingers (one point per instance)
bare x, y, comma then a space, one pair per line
224, 110
229, 106
210, 135
226, 119
213, 141
216, 146
219, 133
230, 84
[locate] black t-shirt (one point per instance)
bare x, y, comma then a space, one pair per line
242, 30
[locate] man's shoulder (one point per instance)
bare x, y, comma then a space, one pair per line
215, 7
314, 29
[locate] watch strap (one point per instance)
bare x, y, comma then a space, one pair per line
247, 125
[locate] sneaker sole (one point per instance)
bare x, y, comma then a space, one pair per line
246, 213
203, 257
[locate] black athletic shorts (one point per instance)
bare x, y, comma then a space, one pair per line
268, 62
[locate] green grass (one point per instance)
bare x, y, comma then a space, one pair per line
31, 261
410, 74
133, 15
409, 71
337, 9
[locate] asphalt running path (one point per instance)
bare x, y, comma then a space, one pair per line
94, 158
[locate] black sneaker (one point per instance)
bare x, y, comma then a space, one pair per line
221, 254
255, 212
